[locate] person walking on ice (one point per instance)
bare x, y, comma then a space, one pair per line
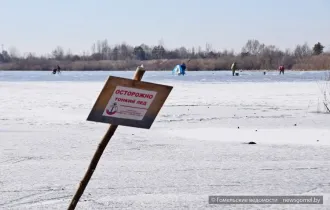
281, 68
233, 68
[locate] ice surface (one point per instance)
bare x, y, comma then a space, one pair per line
195, 148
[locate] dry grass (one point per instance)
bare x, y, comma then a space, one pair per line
320, 62
324, 87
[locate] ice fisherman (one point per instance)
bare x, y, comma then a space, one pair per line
183, 67
233, 68
281, 68
57, 70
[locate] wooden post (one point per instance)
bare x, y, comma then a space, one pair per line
98, 153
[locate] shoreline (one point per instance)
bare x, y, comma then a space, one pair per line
321, 70
82, 70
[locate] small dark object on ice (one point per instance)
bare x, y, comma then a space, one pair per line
317, 140
238, 127
295, 124
256, 130
250, 142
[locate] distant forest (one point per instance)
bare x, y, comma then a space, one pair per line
253, 56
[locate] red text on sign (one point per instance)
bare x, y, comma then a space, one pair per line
131, 101
136, 94
125, 100
142, 103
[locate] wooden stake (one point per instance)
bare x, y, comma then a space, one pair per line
98, 153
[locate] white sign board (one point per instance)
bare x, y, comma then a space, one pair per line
129, 103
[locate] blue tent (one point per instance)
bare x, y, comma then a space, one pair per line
178, 70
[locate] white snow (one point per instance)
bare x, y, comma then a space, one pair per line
194, 148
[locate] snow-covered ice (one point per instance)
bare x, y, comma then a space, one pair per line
195, 148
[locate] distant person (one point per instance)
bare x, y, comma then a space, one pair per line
233, 68
183, 67
58, 69
281, 68
54, 71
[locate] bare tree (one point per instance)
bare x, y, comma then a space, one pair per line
208, 48
183, 52
13, 52
93, 48
253, 47
302, 51
104, 49
161, 42
99, 47
254, 55
58, 53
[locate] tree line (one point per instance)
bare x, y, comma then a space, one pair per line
253, 56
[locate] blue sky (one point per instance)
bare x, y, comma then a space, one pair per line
41, 25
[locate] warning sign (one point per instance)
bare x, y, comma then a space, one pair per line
129, 102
